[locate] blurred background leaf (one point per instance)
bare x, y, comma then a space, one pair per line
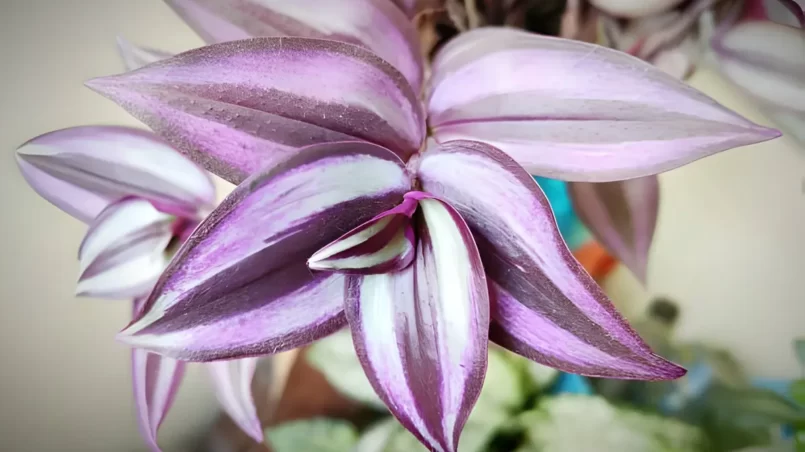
541, 377
590, 423
799, 347
739, 418
334, 356
798, 391
314, 435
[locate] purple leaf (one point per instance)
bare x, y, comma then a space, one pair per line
239, 286
766, 60
155, 380
239, 107
123, 253
374, 24
82, 170
233, 387
622, 216
135, 57
575, 111
545, 306
384, 243
421, 333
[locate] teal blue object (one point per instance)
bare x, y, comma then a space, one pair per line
571, 228
691, 386
572, 384
783, 388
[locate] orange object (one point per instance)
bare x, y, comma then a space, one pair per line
595, 259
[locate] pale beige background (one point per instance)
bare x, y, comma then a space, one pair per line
729, 244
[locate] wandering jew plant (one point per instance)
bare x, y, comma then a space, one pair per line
374, 196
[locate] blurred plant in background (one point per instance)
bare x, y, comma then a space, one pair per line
527, 407
751, 42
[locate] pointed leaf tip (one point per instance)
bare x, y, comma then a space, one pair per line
374, 24
622, 216
155, 381
544, 305
384, 243
421, 333
82, 170
239, 286
233, 388
238, 107
594, 114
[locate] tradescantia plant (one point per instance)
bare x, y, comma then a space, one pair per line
380, 195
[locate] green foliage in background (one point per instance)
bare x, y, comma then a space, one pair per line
712, 409
335, 358
571, 422
798, 393
314, 435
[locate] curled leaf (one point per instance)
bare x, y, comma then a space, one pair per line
123, 253
239, 286
425, 324
384, 243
